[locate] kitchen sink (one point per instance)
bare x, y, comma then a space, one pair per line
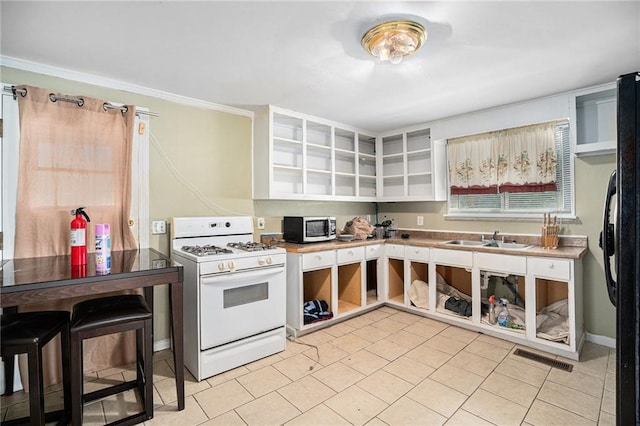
495, 244
466, 243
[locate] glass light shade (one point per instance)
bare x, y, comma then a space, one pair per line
393, 40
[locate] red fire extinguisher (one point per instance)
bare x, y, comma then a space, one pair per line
79, 237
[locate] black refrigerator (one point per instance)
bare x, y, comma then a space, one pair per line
620, 242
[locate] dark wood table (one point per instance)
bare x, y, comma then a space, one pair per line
42, 279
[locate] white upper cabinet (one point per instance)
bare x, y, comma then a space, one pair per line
300, 157
593, 118
296, 156
412, 167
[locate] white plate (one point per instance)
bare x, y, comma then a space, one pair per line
346, 237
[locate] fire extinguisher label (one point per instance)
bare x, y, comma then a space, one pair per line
78, 237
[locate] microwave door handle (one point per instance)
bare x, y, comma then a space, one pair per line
607, 240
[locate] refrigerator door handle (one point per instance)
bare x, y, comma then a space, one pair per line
607, 240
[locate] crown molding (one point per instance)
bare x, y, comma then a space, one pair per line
118, 85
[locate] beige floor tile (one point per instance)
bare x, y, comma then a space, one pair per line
169, 415
385, 386
296, 366
465, 418
460, 334
509, 388
269, 409
387, 349
316, 338
350, 343
167, 388
409, 370
422, 329
371, 333
121, 405
445, 344
429, 356
611, 362
356, 405
406, 411
365, 362
522, 371
495, 341
609, 402
456, 378
306, 393
103, 382
406, 339
474, 363
495, 409
594, 360
544, 414
440, 326
376, 422
389, 324
93, 414
610, 382
326, 353
263, 381
404, 317
338, 376
577, 380
222, 398
340, 329
378, 314
230, 418
606, 419
228, 375
570, 399
388, 310
487, 350
53, 401
437, 397
116, 370
292, 348
319, 415
360, 321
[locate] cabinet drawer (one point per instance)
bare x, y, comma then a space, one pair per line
394, 250
373, 252
318, 260
350, 255
452, 257
550, 268
502, 263
417, 253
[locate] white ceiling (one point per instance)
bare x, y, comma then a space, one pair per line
306, 56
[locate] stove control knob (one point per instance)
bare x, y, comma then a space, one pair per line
221, 266
269, 260
228, 224
232, 265
261, 261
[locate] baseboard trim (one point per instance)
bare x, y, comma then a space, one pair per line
161, 345
601, 340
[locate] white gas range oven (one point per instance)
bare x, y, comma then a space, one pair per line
234, 293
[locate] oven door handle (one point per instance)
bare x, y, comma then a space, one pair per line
262, 273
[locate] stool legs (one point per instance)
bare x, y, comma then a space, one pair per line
36, 399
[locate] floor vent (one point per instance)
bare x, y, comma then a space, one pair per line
544, 360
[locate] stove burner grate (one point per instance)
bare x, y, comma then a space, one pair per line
249, 246
206, 250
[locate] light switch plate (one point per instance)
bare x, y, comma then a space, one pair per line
420, 220
260, 223
158, 227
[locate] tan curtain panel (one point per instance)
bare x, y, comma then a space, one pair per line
73, 156
521, 159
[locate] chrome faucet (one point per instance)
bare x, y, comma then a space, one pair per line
494, 236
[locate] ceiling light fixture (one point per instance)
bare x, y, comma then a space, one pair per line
393, 40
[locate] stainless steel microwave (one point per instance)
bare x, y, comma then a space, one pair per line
304, 229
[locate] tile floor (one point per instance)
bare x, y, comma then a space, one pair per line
386, 367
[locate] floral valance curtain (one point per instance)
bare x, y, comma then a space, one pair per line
520, 159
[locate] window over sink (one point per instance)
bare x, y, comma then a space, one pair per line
524, 204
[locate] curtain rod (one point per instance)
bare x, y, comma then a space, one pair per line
78, 101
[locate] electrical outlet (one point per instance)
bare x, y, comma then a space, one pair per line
158, 227
420, 220
260, 223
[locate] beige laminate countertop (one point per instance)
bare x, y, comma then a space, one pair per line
574, 247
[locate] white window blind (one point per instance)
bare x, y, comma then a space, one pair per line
525, 203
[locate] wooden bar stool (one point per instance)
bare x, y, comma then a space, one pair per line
109, 315
29, 332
